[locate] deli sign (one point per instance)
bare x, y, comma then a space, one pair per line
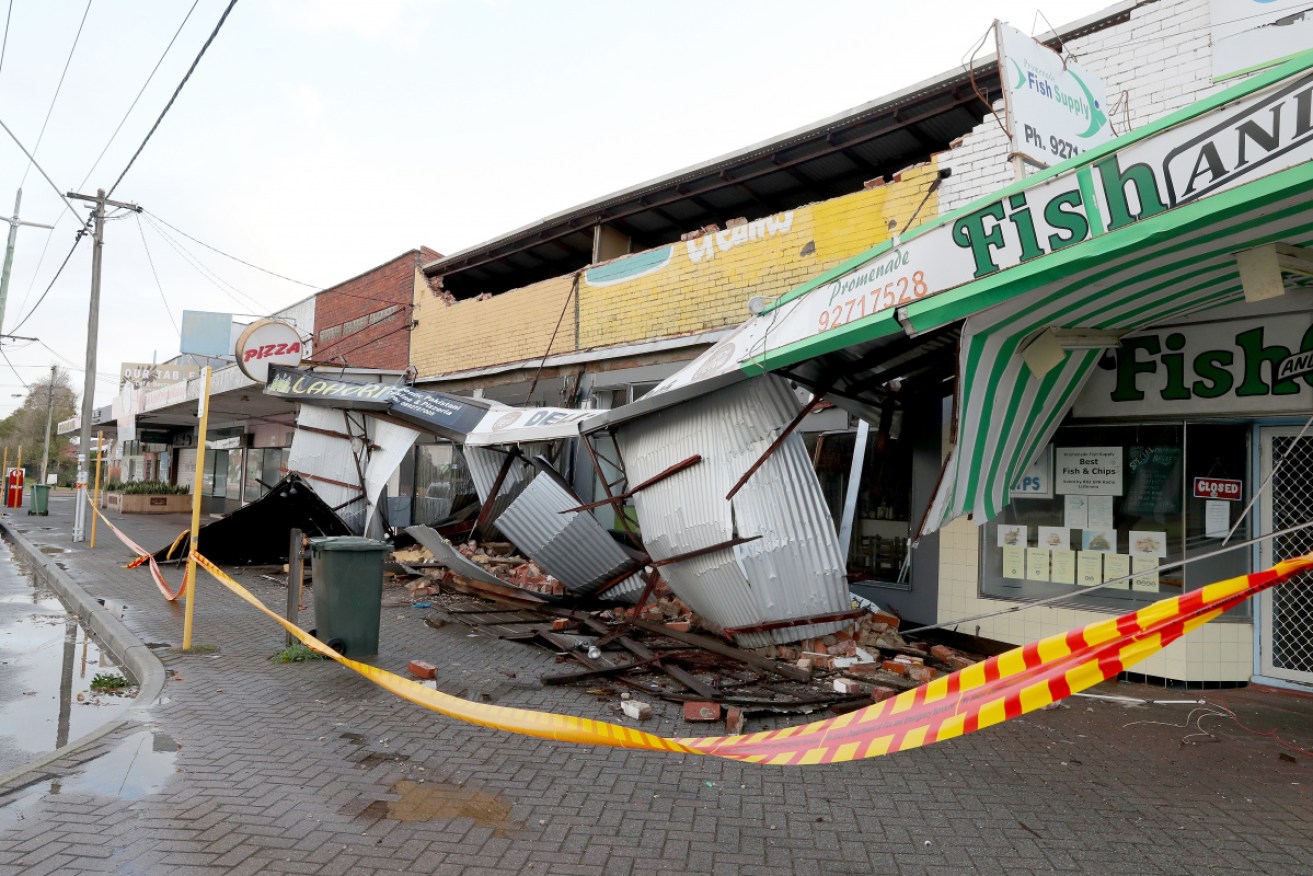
1218, 488
264, 343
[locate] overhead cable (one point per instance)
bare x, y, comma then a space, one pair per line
144, 85
156, 275
159, 218
176, 92
58, 87
5, 44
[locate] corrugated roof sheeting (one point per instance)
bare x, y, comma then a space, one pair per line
573, 548
795, 569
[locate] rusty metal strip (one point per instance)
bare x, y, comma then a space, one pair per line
505, 469
679, 558
619, 498
343, 484
796, 622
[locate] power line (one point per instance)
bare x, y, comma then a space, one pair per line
58, 87
32, 159
144, 85
13, 369
73, 366
176, 92
218, 282
5, 44
51, 285
154, 274
158, 218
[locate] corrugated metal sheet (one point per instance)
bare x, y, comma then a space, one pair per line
323, 458
573, 548
444, 552
795, 569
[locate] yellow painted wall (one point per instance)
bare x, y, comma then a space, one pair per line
510, 327
684, 288
707, 282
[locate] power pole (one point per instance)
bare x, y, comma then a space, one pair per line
50, 409
9, 251
93, 329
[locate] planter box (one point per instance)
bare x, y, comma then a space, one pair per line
148, 503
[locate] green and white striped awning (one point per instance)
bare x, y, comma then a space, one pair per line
1140, 232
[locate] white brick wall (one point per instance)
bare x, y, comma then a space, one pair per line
1161, 59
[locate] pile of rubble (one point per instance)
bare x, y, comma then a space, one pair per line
498, 558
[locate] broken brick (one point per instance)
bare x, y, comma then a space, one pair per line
895, 667
636, 709
733, 720
561, 623
701, 711
679, 626
421, 669
819, 660
850, 686
879, 693
921, 672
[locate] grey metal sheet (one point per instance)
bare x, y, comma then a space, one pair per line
795, 569
484, 464
445, 553
573, 547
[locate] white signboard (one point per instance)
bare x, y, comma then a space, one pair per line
1243, 366
1089, 471
1251, 34
1056, 108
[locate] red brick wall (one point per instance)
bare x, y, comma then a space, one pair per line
367, 320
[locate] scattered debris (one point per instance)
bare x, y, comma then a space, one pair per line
422, 669
636, 709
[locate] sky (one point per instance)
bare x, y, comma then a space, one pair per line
319, 138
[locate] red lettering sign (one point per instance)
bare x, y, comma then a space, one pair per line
1218, 488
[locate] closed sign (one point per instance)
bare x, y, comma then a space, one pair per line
1218, 488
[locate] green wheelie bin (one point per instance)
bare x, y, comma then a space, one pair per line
40, 500
348, 582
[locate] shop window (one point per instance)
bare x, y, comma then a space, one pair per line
1109, 502
443, 485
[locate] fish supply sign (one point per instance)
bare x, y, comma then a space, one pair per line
1089, 471
1218, 488
1057, 109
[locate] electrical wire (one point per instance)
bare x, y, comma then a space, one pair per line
31, 157
176, 92
73, 366
160, 219
51, 109
407, 326
154, 274
14, 370
218, 282
5, 44
144, 85
51, 284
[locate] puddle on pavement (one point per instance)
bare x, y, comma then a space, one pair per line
47, 662
428, 801
51, 549
141, 764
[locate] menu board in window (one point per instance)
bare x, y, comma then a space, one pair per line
1154, 486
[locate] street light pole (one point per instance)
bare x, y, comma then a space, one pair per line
50, 409
93, 327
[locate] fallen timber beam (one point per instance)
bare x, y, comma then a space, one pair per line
716, 646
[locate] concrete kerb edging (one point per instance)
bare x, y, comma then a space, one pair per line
127, 649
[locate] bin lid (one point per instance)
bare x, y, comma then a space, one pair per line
347, 543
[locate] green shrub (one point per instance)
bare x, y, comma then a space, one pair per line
109, 681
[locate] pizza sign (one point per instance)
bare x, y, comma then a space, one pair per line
266, 343
1218, 488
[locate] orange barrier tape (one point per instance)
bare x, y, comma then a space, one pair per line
1007, 686
143, 556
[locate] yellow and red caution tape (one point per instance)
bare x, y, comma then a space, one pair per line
1007, 686
143, 556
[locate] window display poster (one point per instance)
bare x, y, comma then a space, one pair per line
1013, 536
1075, 511
1037, 564
1063, 567
1146, 574
1155, 481
1104, 540
1089, 568
1100, 512
1217, 518
1014, 562
1116, 566
1054, 537
1148, 543
1036, 482
1089, 471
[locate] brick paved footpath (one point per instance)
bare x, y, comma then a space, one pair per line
307, 768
